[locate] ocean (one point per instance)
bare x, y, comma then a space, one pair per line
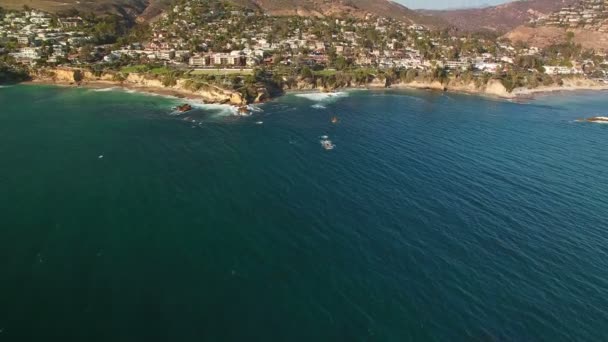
436, 217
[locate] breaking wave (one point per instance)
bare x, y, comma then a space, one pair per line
254, 108
323, 97
219, 109
103, 90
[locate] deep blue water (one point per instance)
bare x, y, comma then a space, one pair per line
436, 217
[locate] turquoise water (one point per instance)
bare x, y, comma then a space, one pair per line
436, 217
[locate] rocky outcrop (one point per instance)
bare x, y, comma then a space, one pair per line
262, 95
496, 88
435, 85
140, 80
214, 94
75, 76
492, 88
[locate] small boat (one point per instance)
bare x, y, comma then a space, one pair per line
183, 108
327, 144
334, 120
598, 119
324, 137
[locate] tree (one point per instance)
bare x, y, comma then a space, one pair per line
85, 53
440, 74
78, 76
409, 76
570, 36
529, 62
341, 63
108, 30
306, 73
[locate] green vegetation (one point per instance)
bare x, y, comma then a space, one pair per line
325, 72
141, 68
562, 54
146, 69
12, 74
221, 72
169, 79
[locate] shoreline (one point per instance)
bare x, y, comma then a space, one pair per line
166, 92
531, 93
516, 95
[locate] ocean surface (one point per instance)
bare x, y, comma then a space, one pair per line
436, 217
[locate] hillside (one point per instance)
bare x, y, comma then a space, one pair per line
148, 9
358, 8
584, 22
501, 18
129, 8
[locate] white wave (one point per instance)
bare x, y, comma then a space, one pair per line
318, 106
143, 92
222, 109
254, 108
102, 90
5, 86
134, 91
323, 97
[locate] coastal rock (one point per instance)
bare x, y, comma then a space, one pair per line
243, 111
237, 99
435, 85
304, 85
262, 95
62, 75
496, 88
184, 108
143, 81
208, 93
377, 83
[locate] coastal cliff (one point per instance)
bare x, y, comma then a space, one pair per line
195, 89
181, 87
492, 88
496, 88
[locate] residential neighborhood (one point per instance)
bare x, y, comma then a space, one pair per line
199, 35
588, 14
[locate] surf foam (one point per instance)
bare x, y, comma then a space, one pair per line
323, 97
220, 109
103, 90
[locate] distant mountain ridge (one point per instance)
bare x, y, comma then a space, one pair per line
499, 18
148, 9
130, 8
